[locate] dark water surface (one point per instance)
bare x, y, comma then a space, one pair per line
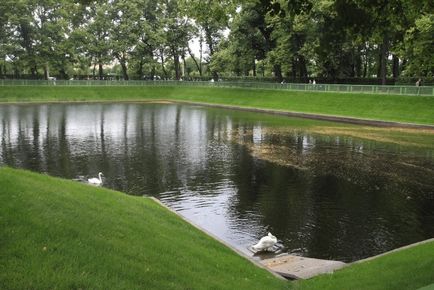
238, 175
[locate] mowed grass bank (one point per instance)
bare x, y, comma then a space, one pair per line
59, 234
409, 109
410, 269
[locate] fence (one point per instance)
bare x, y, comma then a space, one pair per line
337, 88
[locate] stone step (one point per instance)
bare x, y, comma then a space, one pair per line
295, 267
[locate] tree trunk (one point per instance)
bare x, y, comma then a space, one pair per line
294, 68
124, 68
303, 68
3, 66
140, 69
215, 75
395, 69
254, 67
352, 66
94, 71
46, 72
16, 72
100, 70
200, 53
63, 74
153, 72
184, 66
176, 63
199, 68
365, 65
208, 37
358, 60
34, 71
383, 60
162, 64
404, 64
277, 72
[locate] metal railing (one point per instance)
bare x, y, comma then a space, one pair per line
336, 88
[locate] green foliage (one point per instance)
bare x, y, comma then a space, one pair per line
420, 46
297, 40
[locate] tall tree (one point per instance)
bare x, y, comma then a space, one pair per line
212, 18
124, 30
92, 36
176, 28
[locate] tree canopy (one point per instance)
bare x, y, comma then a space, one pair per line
295, 40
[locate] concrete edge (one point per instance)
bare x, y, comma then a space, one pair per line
217, 239
394, 251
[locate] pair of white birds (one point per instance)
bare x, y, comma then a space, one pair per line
96, 181
265, 243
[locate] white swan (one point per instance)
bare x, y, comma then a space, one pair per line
96, 181
265, 243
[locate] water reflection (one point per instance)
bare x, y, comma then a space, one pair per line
324, 196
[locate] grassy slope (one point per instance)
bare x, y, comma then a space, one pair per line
58, 234
412, 109
408, 269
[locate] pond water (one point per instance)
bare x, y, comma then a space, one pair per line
239, 174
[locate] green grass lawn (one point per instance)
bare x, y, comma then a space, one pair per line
411, 109
59, 234
407, 269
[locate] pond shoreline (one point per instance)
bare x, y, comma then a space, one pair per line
311, 116
320, 117
284, 255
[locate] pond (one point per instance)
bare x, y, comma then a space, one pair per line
326, 190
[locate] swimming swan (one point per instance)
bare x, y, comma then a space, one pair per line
265, 243
96, 181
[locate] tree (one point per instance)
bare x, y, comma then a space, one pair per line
149, 35
177, 31
124, 30
91, 36
420, 47
333, 39
211, 17
244, 46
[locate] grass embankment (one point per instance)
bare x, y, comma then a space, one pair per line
410, 109
59, 234
410, 269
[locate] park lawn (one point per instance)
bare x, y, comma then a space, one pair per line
408, 109
60, 234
